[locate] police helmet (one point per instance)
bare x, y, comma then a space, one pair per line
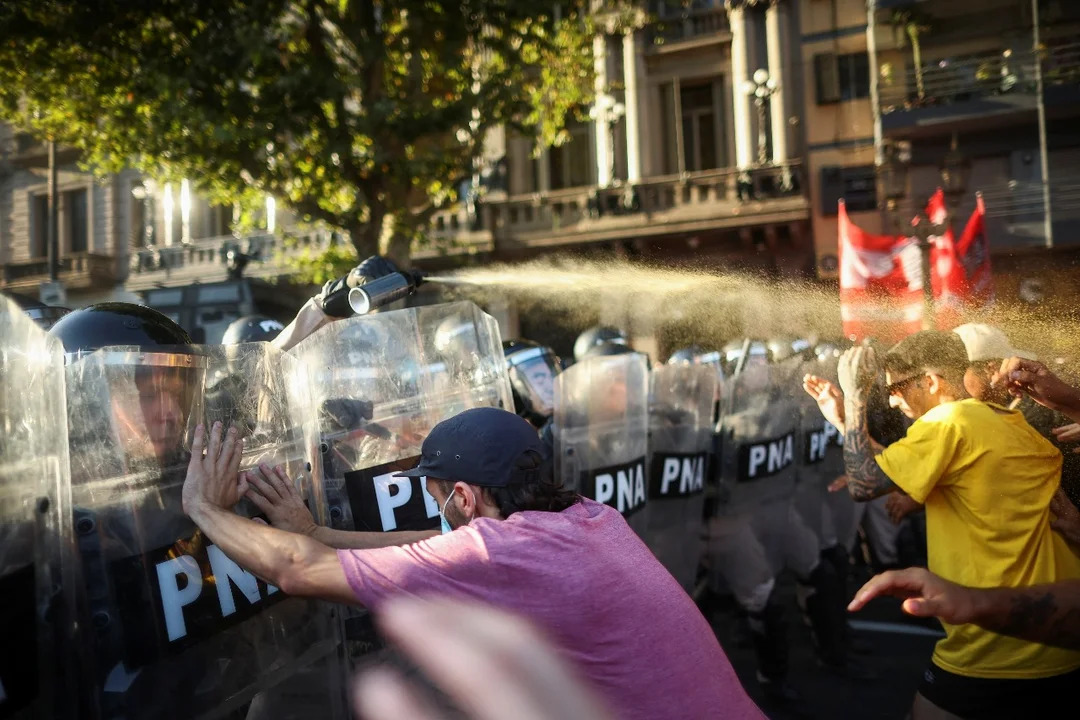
44, 315
532, 369
784, 348
252, 328
116, 323
694, 355
615, 348
595, 336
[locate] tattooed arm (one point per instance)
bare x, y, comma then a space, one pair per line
1048, 614
866, 480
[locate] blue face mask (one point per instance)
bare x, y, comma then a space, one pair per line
442, 517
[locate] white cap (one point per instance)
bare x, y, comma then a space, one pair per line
986, 342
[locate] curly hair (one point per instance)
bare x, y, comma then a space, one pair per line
540, 490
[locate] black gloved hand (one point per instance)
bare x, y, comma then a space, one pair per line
333, 299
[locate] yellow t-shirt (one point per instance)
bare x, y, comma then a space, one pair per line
986, 478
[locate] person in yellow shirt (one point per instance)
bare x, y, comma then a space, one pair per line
986, 478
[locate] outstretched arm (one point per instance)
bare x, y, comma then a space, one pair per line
295, 563
271, 490
866, 480
1048, 614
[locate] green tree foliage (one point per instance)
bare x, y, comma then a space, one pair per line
362, 114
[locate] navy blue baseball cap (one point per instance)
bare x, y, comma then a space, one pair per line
487, 447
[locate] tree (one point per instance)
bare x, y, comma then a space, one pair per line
914, 23
362, 114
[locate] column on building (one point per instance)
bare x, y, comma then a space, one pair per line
633, 76
740, 101
777, 104
602, 128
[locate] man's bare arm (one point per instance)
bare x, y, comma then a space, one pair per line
1047, 614
272, 491
297, 564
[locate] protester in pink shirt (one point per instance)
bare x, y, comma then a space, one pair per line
514, 539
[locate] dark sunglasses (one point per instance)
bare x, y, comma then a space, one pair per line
900, 385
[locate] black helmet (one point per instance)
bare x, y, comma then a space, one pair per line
44, 315
251, 328
116, 323
615, 348
532, 369
595, 336
695, 355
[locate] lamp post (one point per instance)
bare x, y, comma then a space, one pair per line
761, 88
891, 176
145, 191
607, 111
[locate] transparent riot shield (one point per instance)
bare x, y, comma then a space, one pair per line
379, 384
172, 627
821, 460
36, 623
601, 429
681, 401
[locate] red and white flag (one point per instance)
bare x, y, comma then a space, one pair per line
947, 277
880, 283
973, 251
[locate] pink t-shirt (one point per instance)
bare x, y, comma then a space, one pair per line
584, 577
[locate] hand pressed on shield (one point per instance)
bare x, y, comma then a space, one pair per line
1021, 376
857, 370
212, 476
493, 664
829, 398
926, 595
271, 490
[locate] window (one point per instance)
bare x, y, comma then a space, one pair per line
39, 226
841, 77
697, 118
856, 185
76, 219
571, 161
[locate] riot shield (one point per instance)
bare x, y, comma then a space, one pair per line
379, 384
601, 428
173, 627
36, 624
821, 457
680, 446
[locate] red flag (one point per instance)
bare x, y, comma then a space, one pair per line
973, 251
947, 276
880, 285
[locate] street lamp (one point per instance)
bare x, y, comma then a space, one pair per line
145, 191
607, 111
891, 177
761, 88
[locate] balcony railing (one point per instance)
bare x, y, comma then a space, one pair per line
715, 197
689, 25
1003, 75
76, 270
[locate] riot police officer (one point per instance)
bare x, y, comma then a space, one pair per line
165, 632
532, 368
598, 335
251, 328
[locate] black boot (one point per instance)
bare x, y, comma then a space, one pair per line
826, 608
768, 629
839, 557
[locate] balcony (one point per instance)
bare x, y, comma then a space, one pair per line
688, 30
78, 271
991, 88
208, 260
695, 202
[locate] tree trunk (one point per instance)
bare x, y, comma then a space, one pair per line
916, 55
395, 244
365, 238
